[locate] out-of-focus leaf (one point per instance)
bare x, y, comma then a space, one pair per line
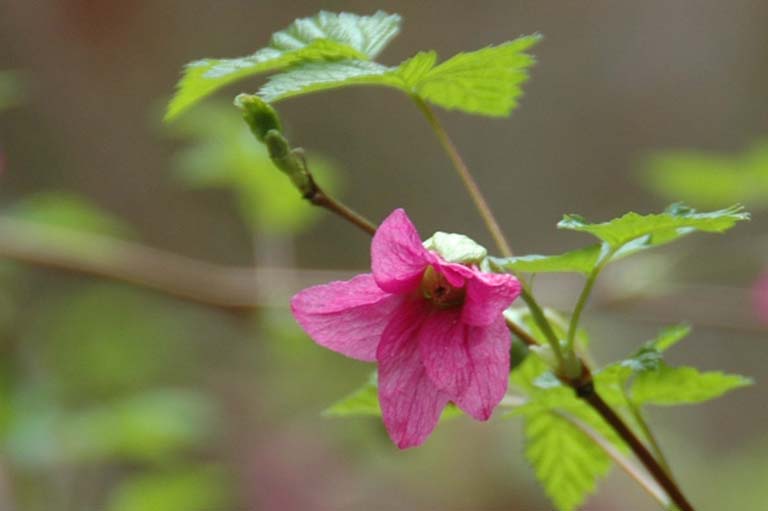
223, 154
11, 89
196, 489
109, 340
151, 426
707, 179
326, 36
70, 212
485, 82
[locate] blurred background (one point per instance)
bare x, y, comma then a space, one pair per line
117, 396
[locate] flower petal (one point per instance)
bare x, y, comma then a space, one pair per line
469, 363
443, 346
489, 351
410, 403
488, 294
398, 258
347, 317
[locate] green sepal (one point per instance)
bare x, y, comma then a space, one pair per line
456, 248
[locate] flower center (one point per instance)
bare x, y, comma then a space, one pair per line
437, 290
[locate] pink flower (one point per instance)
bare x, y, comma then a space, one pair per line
434, 327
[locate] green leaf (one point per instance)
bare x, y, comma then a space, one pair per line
670, 336
363, 402
456, 248
149, 427
69, 212
682, 385
11, 89
566, 461
655, 229
324, 37
711, 179
484, 82
582, 260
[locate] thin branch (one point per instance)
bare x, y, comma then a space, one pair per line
466, 177
586, 391
233, 288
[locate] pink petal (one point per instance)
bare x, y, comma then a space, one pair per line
469, 363
489, 351
346, 317
410, 403
456, 274
398, 258
488, 294
444, 350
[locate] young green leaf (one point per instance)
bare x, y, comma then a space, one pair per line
566, 461
637, 232
324, 37
683, 385
485, 81
582, 260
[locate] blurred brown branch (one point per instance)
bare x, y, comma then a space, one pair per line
243, 288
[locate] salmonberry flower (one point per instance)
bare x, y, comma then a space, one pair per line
433, 325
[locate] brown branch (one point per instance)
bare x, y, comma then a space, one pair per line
585, 390
231, 288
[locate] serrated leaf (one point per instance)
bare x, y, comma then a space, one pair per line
582, 260
683, 385
324, 37
485, 81
645, 231
566, 461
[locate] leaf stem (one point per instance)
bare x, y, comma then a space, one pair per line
637, 414
466, 177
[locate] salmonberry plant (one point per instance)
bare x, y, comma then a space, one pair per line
438, 316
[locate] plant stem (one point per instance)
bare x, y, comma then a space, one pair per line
319, 198
637, 414
577, 310
642, 453
466, 177
586, 391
